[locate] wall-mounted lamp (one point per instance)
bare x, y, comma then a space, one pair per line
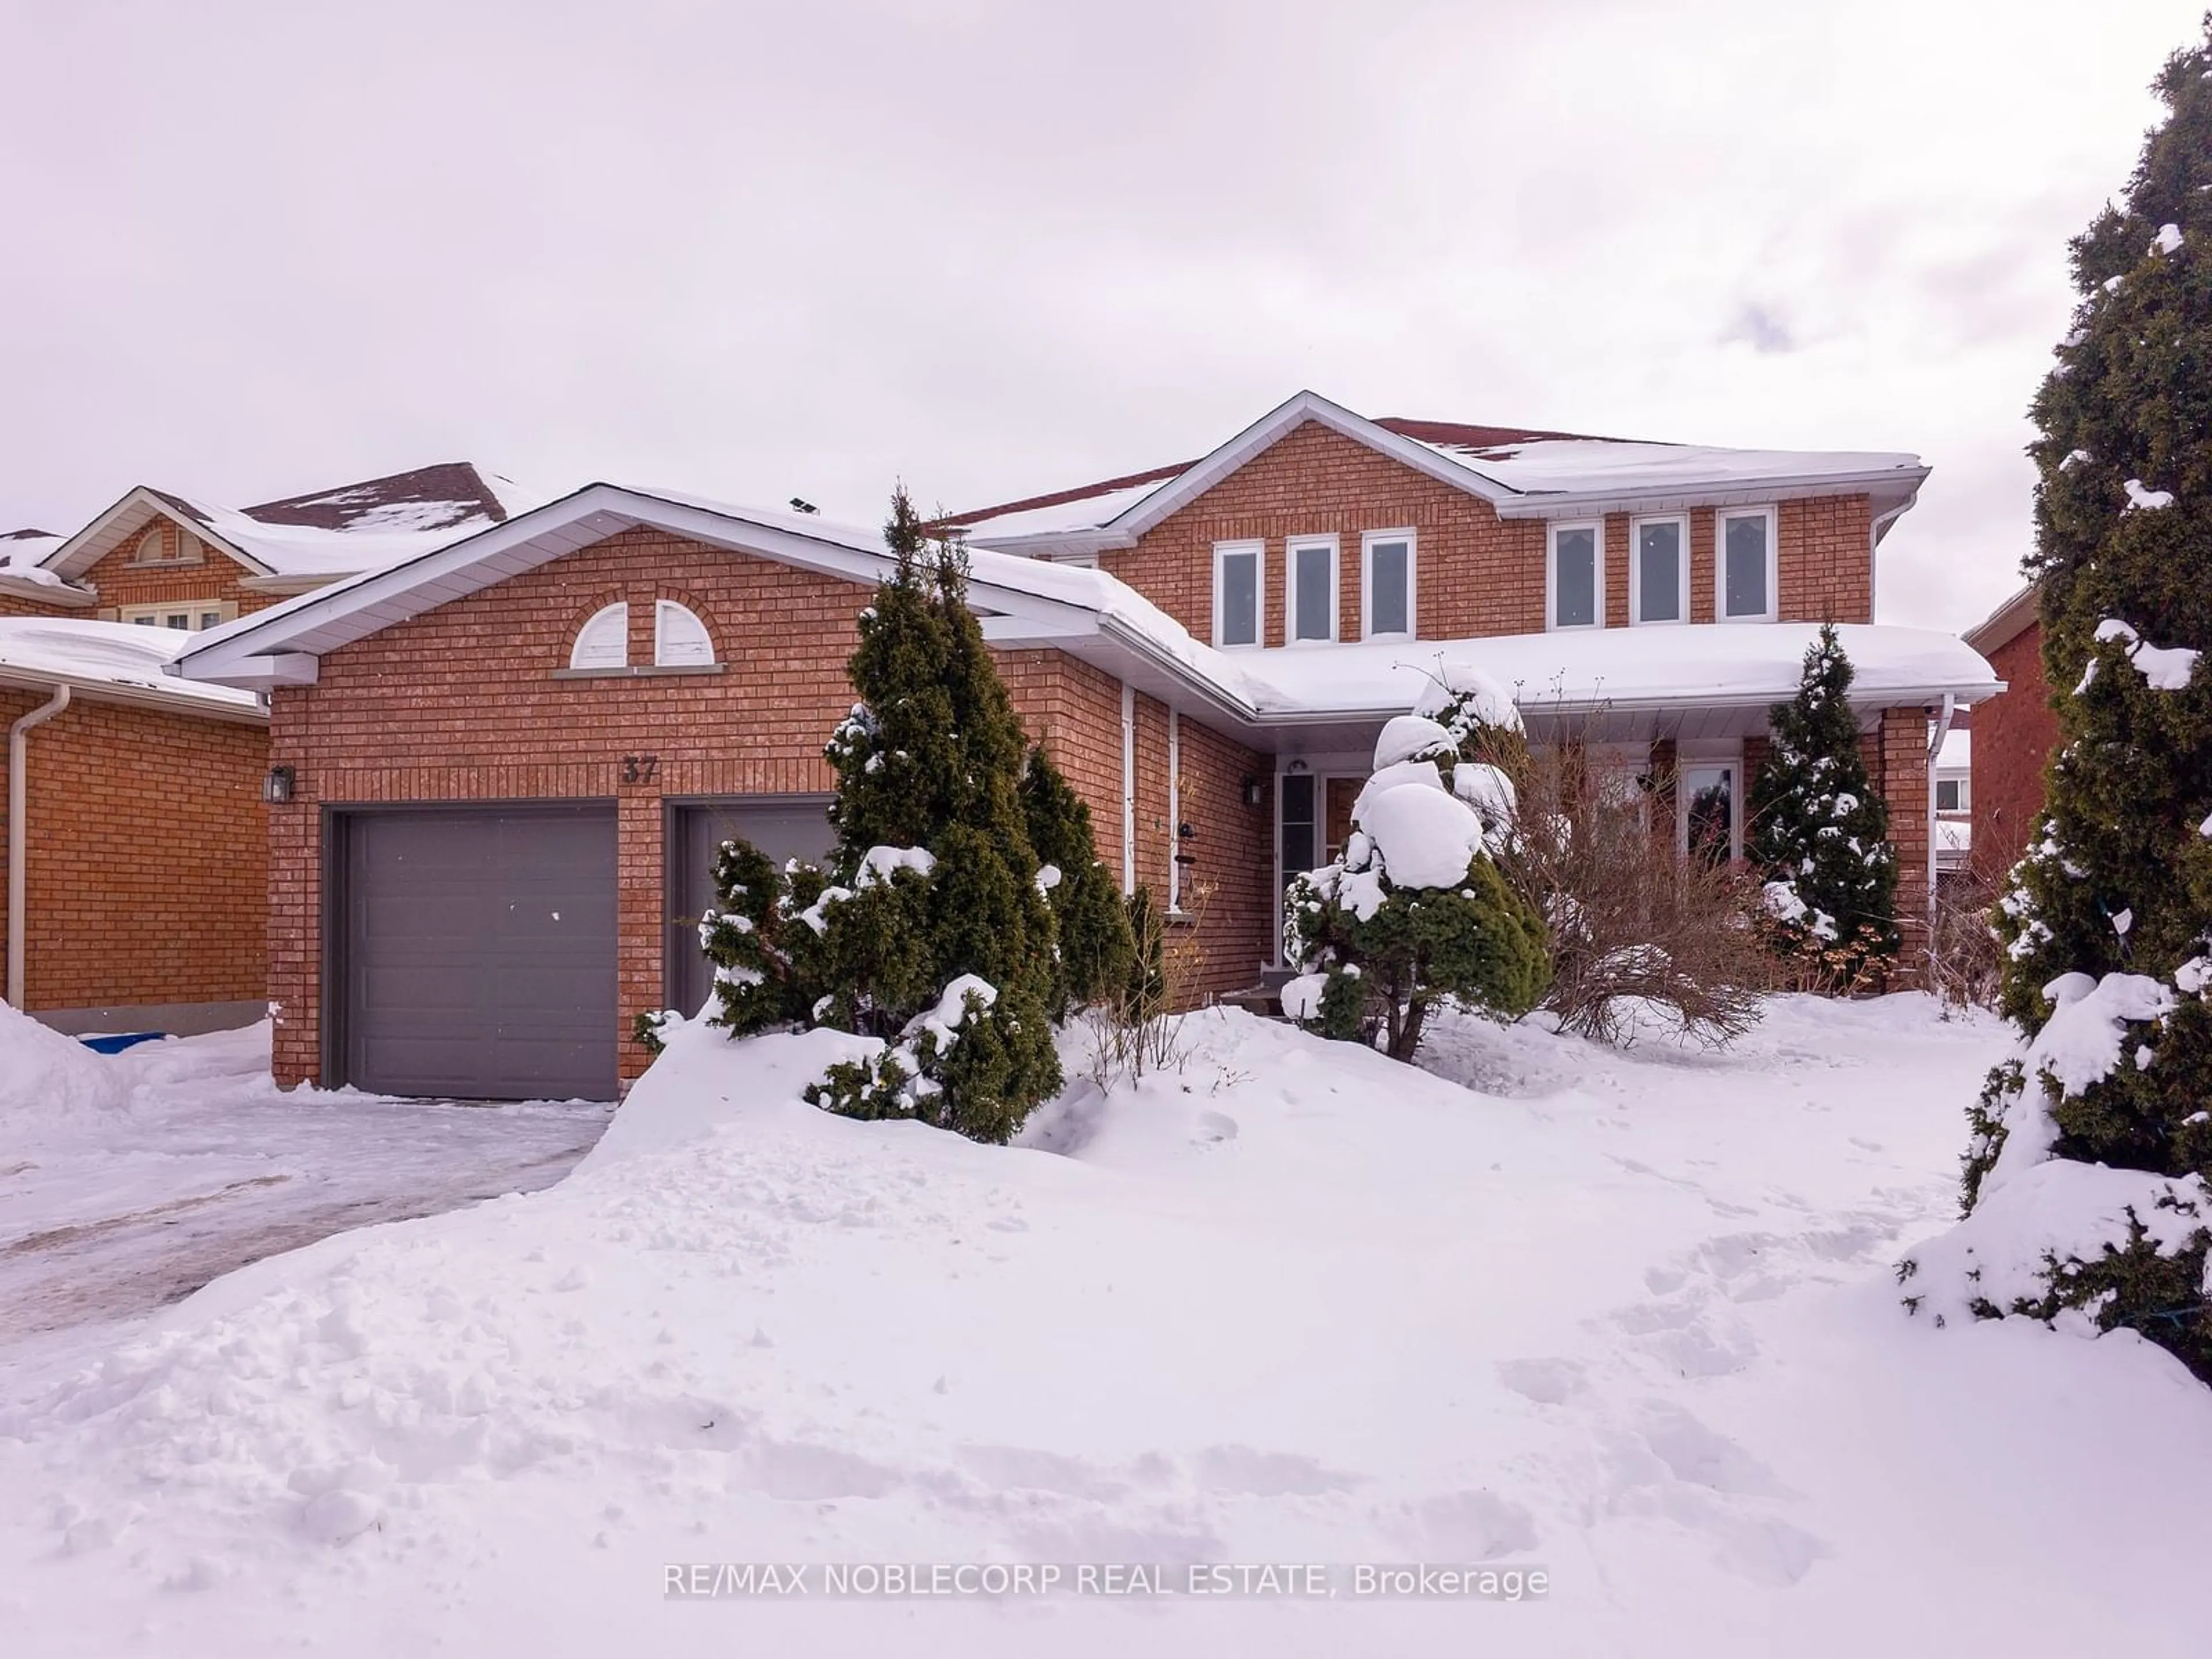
1251, 792
276, 786
1184, 836
1295, 766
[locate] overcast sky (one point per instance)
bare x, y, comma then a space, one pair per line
764, 250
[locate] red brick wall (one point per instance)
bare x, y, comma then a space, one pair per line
2015, 732
146, 880
1902, 776
1476, 573
211, 575
461, 704
1231, 888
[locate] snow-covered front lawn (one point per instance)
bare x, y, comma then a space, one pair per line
1630, 1318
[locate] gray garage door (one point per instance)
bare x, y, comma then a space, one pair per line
781, 826
477, 952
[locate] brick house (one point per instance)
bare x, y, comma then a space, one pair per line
136, 891
2014, 735
510, 757
136, 863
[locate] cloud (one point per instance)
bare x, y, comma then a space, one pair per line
1760, 327
997, 248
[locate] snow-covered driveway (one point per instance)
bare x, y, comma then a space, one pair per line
193, 1165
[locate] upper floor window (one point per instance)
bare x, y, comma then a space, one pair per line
1386, 584
1659, 570
161, 545
1574, 577
604, 641
1310, 601
680, 640
1951, 795
188, 615
1746, 573
1239, 567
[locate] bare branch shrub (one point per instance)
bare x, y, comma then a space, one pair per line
1640, 935
1135, 1029
1964, 964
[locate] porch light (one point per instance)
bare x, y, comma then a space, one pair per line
1251, 792
276, 786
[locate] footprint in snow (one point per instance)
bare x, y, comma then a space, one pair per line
1547, 1382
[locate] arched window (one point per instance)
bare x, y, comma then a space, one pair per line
679, 638
604, 641
150, 550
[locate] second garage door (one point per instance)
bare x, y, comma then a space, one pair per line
477, 952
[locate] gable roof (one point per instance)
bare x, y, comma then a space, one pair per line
2007, 621
1522, 472
277, 646
1642, 673
311, 538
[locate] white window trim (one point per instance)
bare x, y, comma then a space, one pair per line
1720, 516
1368, 541
1551, 625
1965, 792
1690, 757
1636, 570
159, 614
1292, 548
1224, 552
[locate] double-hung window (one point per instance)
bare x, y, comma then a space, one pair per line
1745, 568
1659, 570
1309, 598
1386, 585
1239, 570
1951, 795
1574, 577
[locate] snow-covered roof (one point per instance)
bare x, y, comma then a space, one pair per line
23, 555
317, 536
1522, 473
1954, 836
113, 662
1956, 753
1097, 617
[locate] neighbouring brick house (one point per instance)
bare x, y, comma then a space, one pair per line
511, 758
2014, 735
137, 892
138, 843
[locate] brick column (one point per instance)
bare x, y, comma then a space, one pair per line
1903, 780
1666, 766
640, 904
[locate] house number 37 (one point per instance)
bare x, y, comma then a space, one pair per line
639, 769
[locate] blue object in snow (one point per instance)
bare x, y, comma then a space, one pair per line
120, 1040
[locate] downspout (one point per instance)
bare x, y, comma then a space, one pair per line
18, 838
1935, 748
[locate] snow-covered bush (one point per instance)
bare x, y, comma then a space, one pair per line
1416, 911
1819, 835
931, 930
2086, 1176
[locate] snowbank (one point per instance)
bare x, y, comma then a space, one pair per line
52, 1086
